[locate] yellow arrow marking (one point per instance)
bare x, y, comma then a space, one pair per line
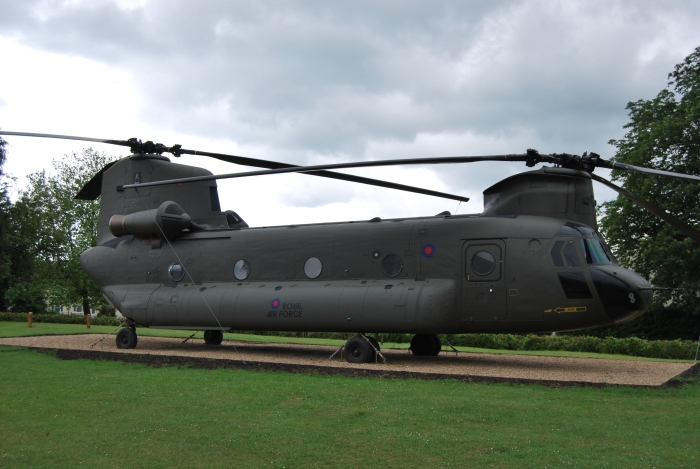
570, 309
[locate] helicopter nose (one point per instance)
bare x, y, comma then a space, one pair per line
622, 292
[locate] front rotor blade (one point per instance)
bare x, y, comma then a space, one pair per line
641, 169
315, 168
675, 222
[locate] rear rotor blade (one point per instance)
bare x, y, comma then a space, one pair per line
257, 163
137, 146
364, 164
318, 168
123, 143
675, 222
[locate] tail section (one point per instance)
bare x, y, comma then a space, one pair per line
199, 200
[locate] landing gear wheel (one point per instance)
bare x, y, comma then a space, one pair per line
126, 338
374, 342
438, 345
423, 345
358, 350
213, 337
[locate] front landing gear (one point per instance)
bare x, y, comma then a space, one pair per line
426, 345
213, 337
362, 349
127, 338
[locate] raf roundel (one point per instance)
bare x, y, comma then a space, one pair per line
275, 303
428, 250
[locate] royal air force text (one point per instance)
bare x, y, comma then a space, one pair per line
287, 310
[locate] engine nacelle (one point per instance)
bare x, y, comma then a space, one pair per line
169, 219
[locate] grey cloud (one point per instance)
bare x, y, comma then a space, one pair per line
305, 79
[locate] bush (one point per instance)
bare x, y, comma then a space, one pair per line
105, 321
60, 318
26, 296
633, 346
659, 323
106, 310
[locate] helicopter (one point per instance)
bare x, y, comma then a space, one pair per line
167, 256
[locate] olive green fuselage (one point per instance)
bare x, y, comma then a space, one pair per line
434, 292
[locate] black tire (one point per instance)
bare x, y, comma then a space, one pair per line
127, 338
358, 350
374, 342
422, 345
213, 337
438, 345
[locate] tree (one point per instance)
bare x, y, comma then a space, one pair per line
5, 267
53, 229
663, 133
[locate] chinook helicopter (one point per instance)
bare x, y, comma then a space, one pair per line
167, 256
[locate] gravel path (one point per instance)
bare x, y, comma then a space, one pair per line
497, 367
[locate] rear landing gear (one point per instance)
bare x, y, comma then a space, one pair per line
127, 338
213, 337
426, 345
358, 350
438, 345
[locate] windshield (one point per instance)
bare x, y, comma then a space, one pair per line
592, 244
594, 252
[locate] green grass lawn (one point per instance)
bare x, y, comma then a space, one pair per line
81, 413
20, 329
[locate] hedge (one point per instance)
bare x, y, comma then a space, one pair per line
673, 349
659, 323
61, 318
633, 346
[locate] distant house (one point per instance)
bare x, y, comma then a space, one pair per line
67, 309
75, 310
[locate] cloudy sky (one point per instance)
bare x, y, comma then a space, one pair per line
318, 82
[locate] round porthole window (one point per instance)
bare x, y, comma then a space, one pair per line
392, 265
241, 269
176, 271
483, 263
313, 267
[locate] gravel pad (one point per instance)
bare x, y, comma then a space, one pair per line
400, 363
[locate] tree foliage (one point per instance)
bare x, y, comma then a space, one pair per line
5, 273
663, 133
49, 230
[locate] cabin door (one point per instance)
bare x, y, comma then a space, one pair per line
483, 281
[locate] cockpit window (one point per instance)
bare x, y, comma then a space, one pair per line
575, 285
575, 229
592, 245
594, 252
571, 256
556, 254
567, 230
606, 248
